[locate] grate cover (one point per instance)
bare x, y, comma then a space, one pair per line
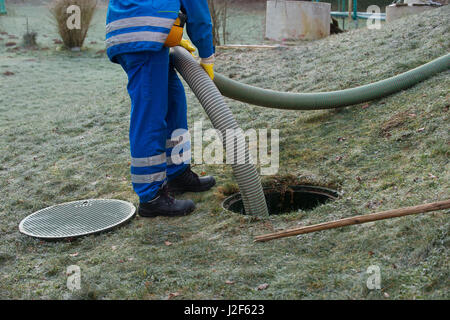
77, 218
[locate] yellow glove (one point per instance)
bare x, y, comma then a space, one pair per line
187, 45
208, 65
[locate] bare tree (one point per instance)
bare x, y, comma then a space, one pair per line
219, 14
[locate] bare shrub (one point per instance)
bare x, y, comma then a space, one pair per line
219, 13
29, 38
73, 37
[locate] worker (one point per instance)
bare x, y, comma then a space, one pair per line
138, 39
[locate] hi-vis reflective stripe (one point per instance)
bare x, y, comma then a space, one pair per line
185, 137
179, 159
148, 178
149, 161
139, 22
136, 37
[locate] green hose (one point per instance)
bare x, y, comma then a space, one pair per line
333, 99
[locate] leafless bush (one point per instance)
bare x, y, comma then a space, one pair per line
73, 37
219, 13
29, 38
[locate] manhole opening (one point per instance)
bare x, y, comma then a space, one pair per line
292, 198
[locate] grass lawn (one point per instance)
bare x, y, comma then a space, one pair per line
64, 136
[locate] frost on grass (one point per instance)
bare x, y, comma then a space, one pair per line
64, 136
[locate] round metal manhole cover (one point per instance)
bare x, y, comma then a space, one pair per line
77, 218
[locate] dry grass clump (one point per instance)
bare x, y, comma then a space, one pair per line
73, 37
29, 39
226, 190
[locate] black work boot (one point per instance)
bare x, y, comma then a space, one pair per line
165, 205
189, 181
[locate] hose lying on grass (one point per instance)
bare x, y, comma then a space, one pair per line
222, 119
212, 101
333, 99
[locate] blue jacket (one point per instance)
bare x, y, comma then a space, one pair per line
143, 25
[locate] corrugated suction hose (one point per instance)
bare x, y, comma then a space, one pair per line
222, 119
333, 99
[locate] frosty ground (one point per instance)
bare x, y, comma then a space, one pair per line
64, 136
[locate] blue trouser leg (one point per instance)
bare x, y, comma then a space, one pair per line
158, 109
148, 89
177, 127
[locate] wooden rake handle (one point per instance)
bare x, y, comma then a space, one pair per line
441, 205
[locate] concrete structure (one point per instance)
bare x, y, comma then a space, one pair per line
297, 20
394, 12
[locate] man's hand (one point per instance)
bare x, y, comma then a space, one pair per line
208, 65
188, 46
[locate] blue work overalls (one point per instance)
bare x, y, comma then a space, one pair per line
136, 32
